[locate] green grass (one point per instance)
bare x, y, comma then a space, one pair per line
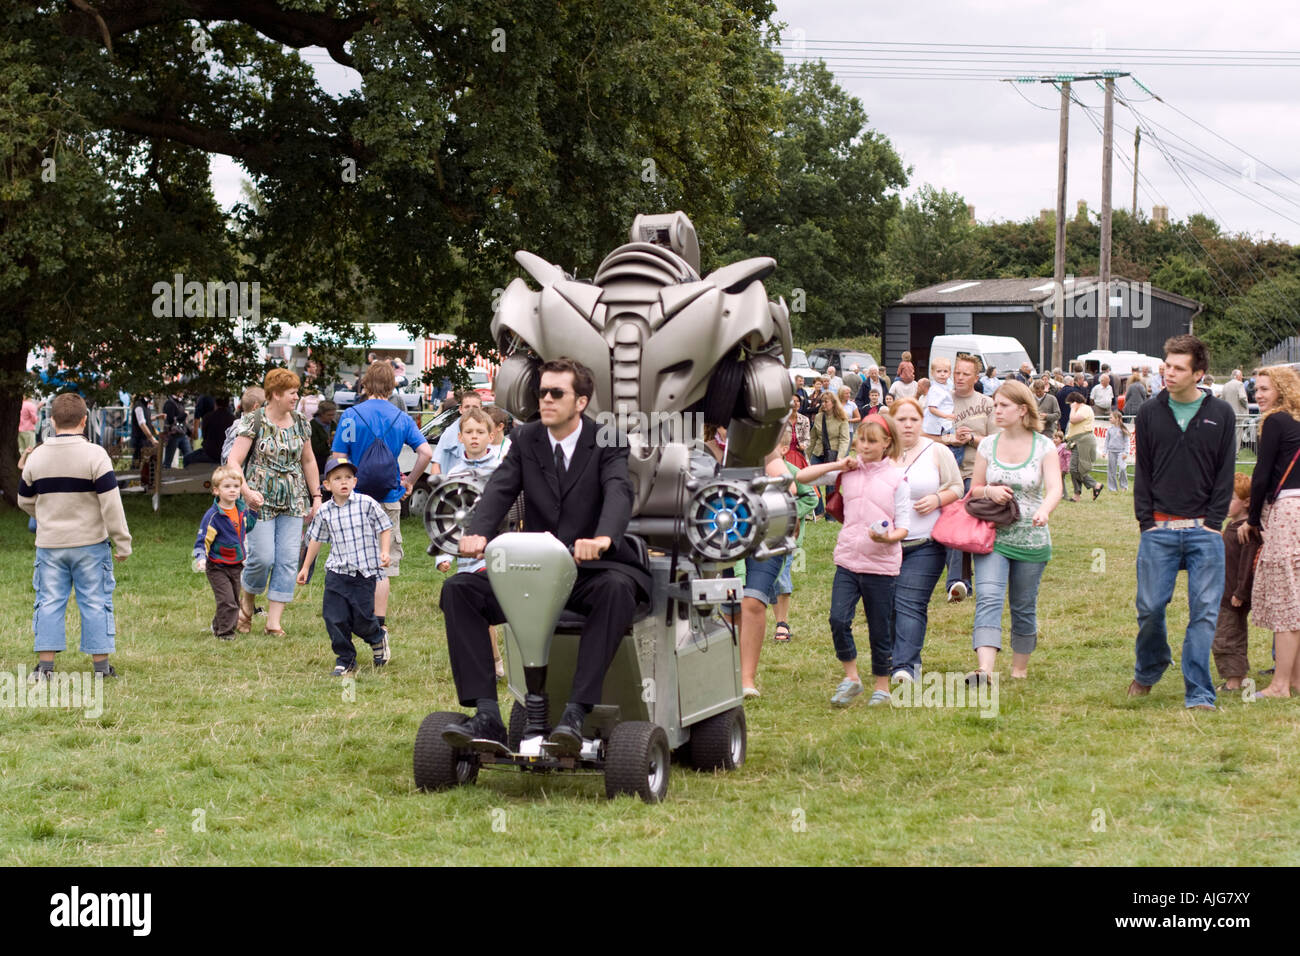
257, 736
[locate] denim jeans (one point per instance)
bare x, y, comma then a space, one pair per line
760, 578
88, 569
922, 566
1162, 553
999, 578
273, 553
784, 582
174, 442
955, 557
877, 594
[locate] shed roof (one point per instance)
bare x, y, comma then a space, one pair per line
1031, 292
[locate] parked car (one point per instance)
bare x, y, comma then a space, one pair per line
799, 366
345, 396
842, 359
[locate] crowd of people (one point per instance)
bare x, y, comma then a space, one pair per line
925, 475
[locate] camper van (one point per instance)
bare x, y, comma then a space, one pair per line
1121, 363
1003, 352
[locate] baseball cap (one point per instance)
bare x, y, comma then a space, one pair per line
337, 461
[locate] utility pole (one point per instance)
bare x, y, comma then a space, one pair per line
1058, 277
1103, 284
1058, 271
1137, 141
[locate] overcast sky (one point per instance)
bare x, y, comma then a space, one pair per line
983, 139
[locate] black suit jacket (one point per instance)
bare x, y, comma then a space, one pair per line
594, 499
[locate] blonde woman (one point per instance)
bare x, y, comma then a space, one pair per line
1275, 507
1018, 463
830, 431
933, 480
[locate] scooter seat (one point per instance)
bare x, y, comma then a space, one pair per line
572, 621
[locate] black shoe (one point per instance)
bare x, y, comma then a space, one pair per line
567, 735
1096, 493
479, 727
111, 672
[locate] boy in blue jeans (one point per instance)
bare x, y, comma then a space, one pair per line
69, 487
359, 533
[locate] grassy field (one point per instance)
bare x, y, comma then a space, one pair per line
247, 753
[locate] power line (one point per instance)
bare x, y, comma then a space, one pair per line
1154, 194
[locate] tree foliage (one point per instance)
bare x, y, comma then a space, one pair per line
824, 211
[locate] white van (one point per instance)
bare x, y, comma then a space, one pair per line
1003, 352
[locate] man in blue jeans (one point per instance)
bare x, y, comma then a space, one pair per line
1182, 489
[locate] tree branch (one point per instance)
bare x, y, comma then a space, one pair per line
291, 27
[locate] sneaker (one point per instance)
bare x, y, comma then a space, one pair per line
382, 652
226, 637
845, 692
500, 666
343, 670
957, 592
111, 671
902, 675
40, 674
879, 697
750, 692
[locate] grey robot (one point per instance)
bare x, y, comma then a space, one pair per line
670, 352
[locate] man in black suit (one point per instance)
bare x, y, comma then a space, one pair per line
579, 492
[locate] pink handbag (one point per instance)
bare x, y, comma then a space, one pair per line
957, 528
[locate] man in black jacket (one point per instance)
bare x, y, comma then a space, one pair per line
1181, 492
578, 491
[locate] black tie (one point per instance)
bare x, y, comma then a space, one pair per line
559, 461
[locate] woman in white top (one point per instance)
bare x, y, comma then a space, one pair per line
933, 480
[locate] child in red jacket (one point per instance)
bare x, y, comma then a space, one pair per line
219, 548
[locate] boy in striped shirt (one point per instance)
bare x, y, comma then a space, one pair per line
69, 487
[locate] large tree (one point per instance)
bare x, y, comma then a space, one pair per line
470, 128
825, 210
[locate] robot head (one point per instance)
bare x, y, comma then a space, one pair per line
672, 231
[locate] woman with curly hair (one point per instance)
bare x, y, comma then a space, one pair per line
1275, 508
272, 447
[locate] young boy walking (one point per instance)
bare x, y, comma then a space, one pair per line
69, 487
359, 533
220, 547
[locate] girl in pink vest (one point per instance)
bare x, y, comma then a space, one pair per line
867, 554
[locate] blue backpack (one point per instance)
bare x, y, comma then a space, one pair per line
378, 474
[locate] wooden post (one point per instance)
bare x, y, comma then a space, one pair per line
1103, 284
1058, 273
1137, 141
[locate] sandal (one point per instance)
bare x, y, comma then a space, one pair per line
782, 626
244, 623
276, 632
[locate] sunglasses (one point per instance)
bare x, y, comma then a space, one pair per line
553, 393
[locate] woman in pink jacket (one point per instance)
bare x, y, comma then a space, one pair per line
868, 553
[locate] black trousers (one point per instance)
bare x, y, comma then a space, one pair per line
607, 598
349, 608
